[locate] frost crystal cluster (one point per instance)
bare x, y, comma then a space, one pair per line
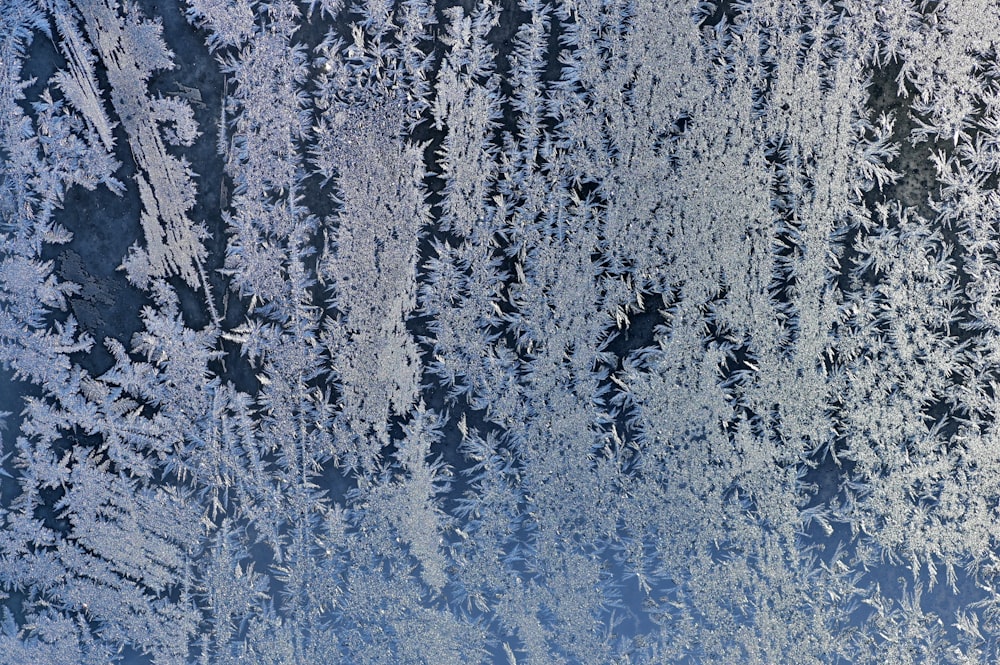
482, 331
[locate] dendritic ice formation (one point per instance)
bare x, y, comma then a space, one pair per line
415, 331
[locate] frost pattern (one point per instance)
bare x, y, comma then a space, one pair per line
571, 332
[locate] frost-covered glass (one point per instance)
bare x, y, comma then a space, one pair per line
583, 332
